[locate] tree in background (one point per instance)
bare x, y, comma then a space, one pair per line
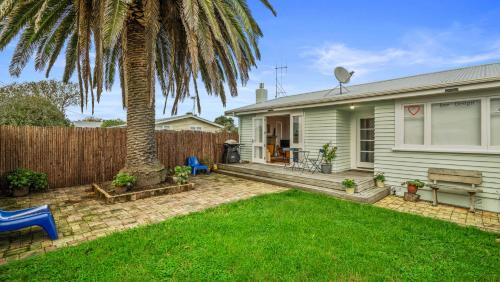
176, 42
59, 93
30, 110
112, 122
227, 122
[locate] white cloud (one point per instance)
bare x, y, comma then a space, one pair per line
452, 47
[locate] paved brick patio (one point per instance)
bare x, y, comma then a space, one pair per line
488, 221
81, 217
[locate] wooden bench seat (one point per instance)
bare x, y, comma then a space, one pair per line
458, 176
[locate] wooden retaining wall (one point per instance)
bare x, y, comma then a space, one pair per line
78, 156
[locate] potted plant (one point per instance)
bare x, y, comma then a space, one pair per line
349, 185
329, 154
379, 180
181, 174
413, 185
123, 182
19, 182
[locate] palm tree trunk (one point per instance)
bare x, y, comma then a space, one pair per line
142, 158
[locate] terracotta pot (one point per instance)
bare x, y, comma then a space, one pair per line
380, 184
412, 188
350, 190
21, 191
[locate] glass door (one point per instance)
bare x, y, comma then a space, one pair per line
258, 152
366, 142
296, 132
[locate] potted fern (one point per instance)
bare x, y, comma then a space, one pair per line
329, 154
379, 180
349, 185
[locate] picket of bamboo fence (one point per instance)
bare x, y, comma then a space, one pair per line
78, 156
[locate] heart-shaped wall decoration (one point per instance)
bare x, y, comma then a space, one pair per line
413, 110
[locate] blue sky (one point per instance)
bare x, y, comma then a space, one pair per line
376, 39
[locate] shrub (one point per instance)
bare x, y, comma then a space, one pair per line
329, 153
39, 181
181, 174
112, 122
348, 183
379, 177
124, 179
36, 181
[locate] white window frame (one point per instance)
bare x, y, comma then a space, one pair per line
488, 124
195, 128
485, 146
301, 130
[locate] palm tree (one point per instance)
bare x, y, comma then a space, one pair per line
174, 41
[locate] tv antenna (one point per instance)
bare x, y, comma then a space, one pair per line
280, 91
343, 76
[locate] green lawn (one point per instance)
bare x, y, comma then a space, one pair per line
288, 236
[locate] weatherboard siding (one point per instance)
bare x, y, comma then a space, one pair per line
328, 125
343, 141
400, 166
246, 134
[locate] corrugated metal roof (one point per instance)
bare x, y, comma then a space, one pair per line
461, 76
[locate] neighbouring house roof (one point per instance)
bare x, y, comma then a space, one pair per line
188, 115
383, 89
82, 123
176, 118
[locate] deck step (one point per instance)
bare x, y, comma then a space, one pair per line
367, 196
306, 178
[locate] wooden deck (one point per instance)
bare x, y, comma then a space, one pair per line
324, 183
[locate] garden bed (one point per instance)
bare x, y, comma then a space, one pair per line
107, 191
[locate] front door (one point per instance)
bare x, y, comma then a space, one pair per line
366, 142
258, 144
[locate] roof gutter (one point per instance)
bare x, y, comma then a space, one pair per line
470, 85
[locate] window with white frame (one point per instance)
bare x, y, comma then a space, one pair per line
196, 128
495, 122
461, 124
456, 123
414, 124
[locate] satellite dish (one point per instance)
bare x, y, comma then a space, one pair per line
342, 75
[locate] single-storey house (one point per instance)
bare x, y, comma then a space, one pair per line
86, 124
186, 122
401, 127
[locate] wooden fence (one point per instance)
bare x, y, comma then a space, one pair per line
77, 156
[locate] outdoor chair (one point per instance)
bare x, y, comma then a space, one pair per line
299, 159
316, 163
37, 216
196, 166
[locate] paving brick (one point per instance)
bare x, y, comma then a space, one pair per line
482, 219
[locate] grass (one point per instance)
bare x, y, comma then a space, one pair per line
287, 236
